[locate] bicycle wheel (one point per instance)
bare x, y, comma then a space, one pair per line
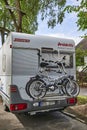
36, 88
72, 88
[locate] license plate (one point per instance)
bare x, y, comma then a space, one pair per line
46, 103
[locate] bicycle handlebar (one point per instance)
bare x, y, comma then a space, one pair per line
56, 62
59, 63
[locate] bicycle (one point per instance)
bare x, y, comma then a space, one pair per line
38, 86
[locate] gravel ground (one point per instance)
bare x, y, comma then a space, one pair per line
9, 121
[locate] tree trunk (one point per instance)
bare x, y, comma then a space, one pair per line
20, 15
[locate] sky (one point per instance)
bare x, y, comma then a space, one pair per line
68, 29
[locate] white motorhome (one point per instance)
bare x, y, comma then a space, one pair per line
19, 61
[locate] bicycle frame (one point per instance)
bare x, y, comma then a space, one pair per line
43, 74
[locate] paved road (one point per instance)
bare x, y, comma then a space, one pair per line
83, 91
44, 121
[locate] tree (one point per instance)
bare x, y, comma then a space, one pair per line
81, 10
52, 10
18, 15
21, 15
56, 10
80, 56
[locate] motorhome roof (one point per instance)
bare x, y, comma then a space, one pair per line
38, 41
41, 36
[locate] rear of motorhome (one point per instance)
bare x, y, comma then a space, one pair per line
20, 57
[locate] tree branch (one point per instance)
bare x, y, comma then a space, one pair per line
12, 14
4, 29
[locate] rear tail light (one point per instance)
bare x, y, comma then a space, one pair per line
16, 107
13, 88
71, 101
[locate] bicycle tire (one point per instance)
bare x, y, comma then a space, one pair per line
72, 90
35, 90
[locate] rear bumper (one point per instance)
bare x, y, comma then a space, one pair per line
44, 105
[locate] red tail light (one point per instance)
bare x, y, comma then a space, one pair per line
72, 100
13, 88
16, 107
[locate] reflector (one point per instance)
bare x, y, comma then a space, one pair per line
16, 107
13, 88
72, 100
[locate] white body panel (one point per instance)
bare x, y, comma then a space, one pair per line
22, 59
5, 67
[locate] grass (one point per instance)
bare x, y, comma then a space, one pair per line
82, 100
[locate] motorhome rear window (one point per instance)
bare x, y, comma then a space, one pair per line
46, 50
68, 59
54, 55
